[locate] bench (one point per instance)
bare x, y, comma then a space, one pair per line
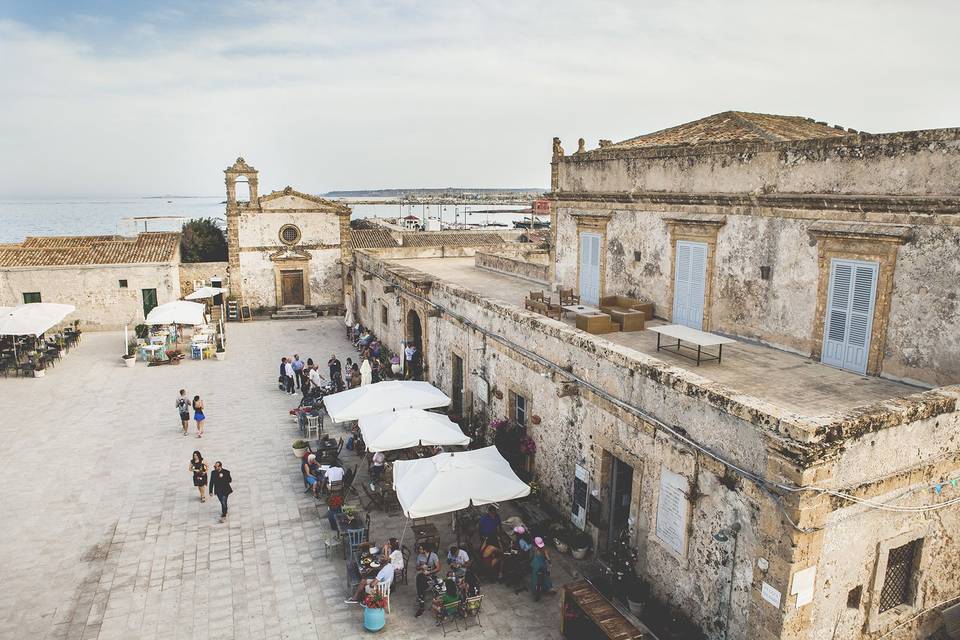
626, 303
595, 323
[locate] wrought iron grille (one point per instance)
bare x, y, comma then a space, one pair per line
897, 583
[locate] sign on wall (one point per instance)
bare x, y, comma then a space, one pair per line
482, 389
672, 509
580, 486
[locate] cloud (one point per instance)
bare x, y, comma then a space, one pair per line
368, 94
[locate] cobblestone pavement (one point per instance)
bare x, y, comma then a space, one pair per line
102, 534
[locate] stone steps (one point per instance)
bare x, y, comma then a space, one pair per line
293, 312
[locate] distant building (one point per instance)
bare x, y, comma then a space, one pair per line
285, 248
112, 280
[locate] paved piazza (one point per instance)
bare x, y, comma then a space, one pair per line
104, 536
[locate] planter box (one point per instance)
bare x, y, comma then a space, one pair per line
298, 453
220, 355
39, 373
129, 362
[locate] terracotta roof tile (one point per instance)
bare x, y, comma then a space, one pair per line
87, 250
734, 126
447, 239
372, 238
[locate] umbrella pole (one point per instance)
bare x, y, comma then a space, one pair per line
403, 532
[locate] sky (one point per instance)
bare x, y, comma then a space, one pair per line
129, 97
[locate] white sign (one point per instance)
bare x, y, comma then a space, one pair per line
803, 585
770, 594
672, 508
482, 390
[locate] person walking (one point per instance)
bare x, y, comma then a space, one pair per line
199, 470
297, 367
288, 374
220, 486
336, 371
540, 582
282, 380
198, 415
183, 408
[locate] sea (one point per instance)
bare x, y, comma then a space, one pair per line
20, 218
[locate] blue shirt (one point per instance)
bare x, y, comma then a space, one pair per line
298, 365
489, 525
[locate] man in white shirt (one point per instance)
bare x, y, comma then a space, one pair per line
384, 576
315, 377
334, 474
458, 560
288, 374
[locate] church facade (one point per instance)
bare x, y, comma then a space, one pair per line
285, 248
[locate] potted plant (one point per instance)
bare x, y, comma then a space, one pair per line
299, 448
580, 545
561, 537
39, 370
142, 331
636, 591
220, 352
130, 357
373, 612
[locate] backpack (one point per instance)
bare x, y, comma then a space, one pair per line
183, 405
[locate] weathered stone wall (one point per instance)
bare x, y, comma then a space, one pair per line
261, 229
193, 272
910, 163
922, 339
539, 273
94, 290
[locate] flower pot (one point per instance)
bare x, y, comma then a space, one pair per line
374, 619
395, 368
220, 355
636, 607
561, 546
298, 453
39, 373
580, 554
129, 361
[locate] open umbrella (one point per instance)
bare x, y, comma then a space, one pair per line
406, 428
378, 397
203, 293
33, 319
451, 481
177, 312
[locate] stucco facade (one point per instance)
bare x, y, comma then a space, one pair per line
285, 248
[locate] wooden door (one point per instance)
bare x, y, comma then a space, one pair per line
291, 287
689, 285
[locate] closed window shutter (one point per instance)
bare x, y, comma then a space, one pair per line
861, 307
840, 302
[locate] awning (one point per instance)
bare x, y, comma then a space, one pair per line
204, 292
177, 312
407, 428
33, 319
379, 397
451, 481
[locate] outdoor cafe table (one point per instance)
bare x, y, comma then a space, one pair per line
699, 338
150, 351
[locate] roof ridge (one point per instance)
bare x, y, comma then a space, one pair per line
756, 128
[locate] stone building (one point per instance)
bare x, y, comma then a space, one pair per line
285, 248
807, 486
112, 280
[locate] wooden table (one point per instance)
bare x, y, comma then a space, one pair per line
695, 336
580, 308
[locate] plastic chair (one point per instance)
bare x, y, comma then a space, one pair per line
313, 426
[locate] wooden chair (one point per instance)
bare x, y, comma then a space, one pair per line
536, 295
400, 575
567, 297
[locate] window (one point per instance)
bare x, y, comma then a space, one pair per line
899, 577
123, 284
518, 409
363, 298
289, 234
33, 296
383, 314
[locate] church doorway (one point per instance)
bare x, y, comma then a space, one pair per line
291, 287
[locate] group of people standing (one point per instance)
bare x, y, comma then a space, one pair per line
295, 374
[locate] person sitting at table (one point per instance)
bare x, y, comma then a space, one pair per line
312, 474
491, 556
376, 468
490, 523
428, 566
334, 473
447, 596
393, 554
458, 560
369, 585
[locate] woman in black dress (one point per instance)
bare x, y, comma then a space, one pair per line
199, 470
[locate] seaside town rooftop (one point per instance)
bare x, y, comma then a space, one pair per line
787, 383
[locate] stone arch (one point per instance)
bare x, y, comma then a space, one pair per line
240, 171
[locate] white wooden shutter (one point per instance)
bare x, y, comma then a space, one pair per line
590, 268
690, 281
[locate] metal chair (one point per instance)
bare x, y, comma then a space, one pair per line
471, 609
383, 589
330, 543
356, 539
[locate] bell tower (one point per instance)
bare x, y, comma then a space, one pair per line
239, 169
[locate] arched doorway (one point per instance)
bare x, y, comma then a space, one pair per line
413, 368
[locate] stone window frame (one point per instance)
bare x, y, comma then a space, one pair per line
289, 227
704, 230
869, 243
124, 284
593, 223
291, 263
512, 394
877, 621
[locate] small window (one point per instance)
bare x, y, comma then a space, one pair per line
518, 409
383, 314
363, 298
289, 234
898, 579
123, 284
33, 296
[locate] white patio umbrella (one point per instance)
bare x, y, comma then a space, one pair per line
451, 481
33, 319
379, 397
204, 292
366, 373
177, 312
406, 428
